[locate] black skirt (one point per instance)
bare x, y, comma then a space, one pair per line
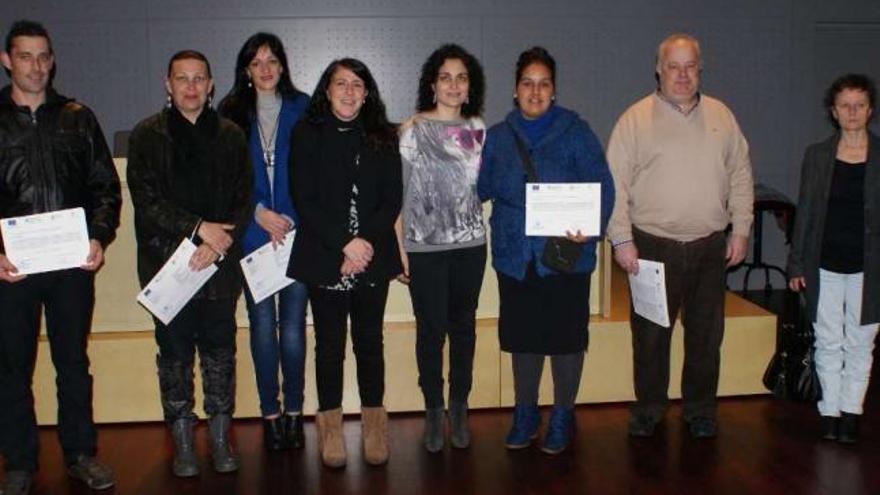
544, 315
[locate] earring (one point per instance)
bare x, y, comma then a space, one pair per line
210, 100
167, 101
250, 83
435, 98
553, 98
364, 101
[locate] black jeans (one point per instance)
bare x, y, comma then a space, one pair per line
445, 288
695, 275
331, 310
68, 298
208, 325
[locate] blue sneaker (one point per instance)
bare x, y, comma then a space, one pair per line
526, 420
560, 430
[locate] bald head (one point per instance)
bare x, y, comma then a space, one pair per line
678, 68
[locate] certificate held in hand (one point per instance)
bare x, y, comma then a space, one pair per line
175, 284
552, 209
265, 269
46, 242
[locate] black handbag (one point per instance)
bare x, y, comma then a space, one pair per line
791, 373
560, 254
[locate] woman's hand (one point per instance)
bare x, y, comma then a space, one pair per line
576, 237
359, 251
203, 257
404, 260
350, 267
274, 224
216, 235
797, 284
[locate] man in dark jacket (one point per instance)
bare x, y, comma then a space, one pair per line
52, 157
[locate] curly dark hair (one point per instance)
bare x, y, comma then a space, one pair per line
239, 105
858, 82
378, 132
476, 80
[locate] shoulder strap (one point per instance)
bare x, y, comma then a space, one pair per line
524, 155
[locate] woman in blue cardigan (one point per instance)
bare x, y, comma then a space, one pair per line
266, 105
543, 312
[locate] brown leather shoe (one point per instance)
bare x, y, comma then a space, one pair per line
374, 425
331, 442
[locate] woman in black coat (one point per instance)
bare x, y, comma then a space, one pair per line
189, 177
346, 184
835, 253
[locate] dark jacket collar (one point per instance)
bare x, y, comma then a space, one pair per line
52, 98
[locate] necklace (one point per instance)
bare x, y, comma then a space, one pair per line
269, 143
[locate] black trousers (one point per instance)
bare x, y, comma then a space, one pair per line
68, 298
331, 310
695, 275
209, 326
445, 288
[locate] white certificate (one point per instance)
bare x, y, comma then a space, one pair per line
265, 269
554, 208
46, 241
175, 284
648, 292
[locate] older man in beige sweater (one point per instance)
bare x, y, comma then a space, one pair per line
681, 174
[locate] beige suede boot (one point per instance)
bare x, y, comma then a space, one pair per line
331, 442
374, 425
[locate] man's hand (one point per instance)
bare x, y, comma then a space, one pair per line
797, 284
216, 235
737, 245
8, 270
627, 256
274, 224
203, 257
95, 259
359, 251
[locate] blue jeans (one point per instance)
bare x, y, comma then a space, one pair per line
280, 340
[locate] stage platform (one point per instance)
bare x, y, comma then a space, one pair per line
126, 387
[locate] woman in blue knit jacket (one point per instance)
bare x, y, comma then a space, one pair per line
543, 312
266, 105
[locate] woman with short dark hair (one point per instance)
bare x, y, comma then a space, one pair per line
345, 178
835, 253
189, 177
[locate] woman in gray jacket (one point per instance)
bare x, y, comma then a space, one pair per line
835, 254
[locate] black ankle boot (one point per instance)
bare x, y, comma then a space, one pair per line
848, 430
293, 431
830, 425
273, 434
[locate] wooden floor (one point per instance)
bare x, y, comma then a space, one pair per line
764, 447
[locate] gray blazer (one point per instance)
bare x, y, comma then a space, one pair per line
809, 224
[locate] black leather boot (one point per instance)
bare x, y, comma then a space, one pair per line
273, 434
293, 431
848, 428
185, 464
225, 460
